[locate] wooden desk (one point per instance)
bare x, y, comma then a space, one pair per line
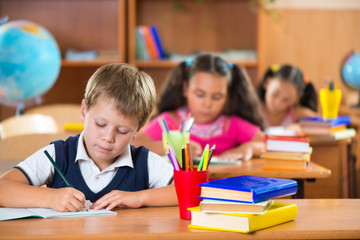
333, 155
317, 219
254, 167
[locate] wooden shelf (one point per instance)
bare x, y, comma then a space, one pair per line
81, 25
89, 63
172, 63
215, 26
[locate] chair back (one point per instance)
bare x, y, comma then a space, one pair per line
22, 146
27, 124
62, 113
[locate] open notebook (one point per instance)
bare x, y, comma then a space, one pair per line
215, 160
16, 213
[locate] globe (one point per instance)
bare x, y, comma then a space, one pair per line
30, 60
350, 72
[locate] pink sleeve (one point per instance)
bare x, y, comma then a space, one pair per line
244, 129
153, 128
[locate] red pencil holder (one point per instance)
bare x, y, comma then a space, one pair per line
188, 189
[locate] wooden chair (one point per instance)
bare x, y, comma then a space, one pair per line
61, 113
27, 124
19, 147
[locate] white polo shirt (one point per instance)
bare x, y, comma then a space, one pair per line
40, 170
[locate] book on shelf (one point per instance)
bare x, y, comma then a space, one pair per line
158, 44
16, 213
248, 189
141, 49
148, 38
320, 121
276, 164
347, 133
279, 155
287, 143
278, 213
209, 205
318, 130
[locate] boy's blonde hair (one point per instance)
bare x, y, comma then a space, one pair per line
132, 90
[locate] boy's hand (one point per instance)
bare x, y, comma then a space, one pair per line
67, 200
118, 198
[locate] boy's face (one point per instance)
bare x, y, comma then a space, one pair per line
107, 132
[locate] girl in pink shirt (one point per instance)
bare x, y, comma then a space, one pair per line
223, 103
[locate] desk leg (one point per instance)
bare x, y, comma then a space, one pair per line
300, 192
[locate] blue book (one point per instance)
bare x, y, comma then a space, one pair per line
248, 189
320, 121
155, 33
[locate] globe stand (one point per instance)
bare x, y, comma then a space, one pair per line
20, 109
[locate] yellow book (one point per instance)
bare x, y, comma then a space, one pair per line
297, 156
240, 222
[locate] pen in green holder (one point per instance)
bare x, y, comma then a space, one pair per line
330, 98
177, 140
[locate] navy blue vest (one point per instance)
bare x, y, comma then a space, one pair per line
125, 179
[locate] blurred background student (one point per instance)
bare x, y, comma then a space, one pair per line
286, 96
223, 103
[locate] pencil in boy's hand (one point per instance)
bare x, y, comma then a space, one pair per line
57, 169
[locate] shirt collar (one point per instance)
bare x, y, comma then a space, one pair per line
123, 160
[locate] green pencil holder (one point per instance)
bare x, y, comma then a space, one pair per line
177, 140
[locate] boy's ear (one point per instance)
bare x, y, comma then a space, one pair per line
83, 110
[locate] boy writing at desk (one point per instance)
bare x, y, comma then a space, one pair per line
99, 163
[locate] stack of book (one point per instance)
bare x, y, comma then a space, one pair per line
286, 152
243, 204
320, 129
148, 43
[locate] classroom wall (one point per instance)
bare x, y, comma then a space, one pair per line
314, 35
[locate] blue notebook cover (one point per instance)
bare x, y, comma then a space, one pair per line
332, 122
262, 188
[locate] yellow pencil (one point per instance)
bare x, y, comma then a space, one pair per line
206, 157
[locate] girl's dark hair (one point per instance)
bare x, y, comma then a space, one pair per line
242, 99
306, 90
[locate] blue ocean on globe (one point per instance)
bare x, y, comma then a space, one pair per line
351, 70
30, 60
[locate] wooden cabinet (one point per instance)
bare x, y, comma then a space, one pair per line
81, 25
190, 26
108, 26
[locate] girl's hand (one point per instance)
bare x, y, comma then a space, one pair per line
244, 152
118, 198
196, 149
67, 200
